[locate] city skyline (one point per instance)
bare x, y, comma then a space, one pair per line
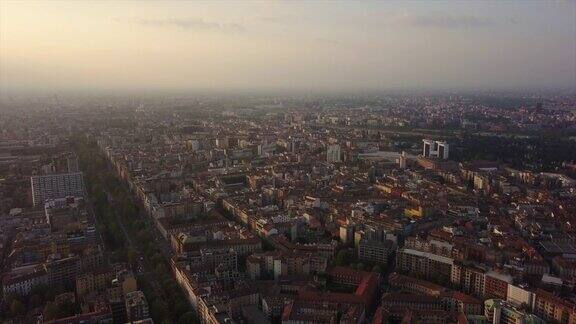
282, 162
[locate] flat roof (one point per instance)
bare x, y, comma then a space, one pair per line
432, 256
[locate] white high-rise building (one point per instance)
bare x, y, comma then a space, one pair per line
402, 160
72, 163
435, 149
333, 154
194, 145
54, 186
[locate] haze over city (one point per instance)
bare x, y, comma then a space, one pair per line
287, 162
284, 45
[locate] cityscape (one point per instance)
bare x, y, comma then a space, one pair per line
126, 200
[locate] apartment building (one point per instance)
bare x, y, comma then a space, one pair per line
424, 264
136, 306
54, 186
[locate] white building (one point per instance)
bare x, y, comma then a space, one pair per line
72, 163
333, 154
501, 312
518, 296
435, 149
54, 186
402, 161
22, 284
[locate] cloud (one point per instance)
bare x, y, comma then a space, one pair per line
282, 19
447, 21
191, 24
328, 41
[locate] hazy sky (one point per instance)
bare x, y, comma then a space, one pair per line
294, 45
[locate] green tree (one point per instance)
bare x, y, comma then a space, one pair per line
157, 258
132, 255
160, 269
180, 306
36, 300
51, 293
17, 308
68, 309
342, 258
40, 290
130, 211
159, 310
187, 318
51, 311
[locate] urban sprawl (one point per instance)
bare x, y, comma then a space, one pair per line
448, 208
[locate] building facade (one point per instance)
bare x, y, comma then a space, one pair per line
54, 186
